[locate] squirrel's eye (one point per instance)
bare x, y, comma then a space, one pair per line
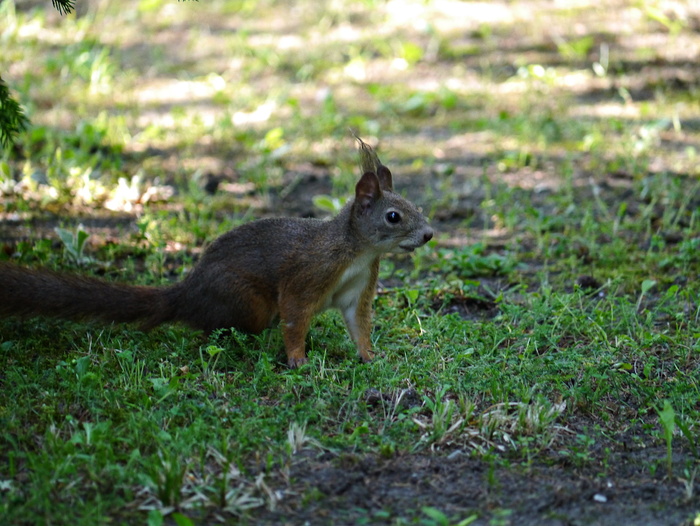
393, 217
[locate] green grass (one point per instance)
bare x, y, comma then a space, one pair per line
555, 316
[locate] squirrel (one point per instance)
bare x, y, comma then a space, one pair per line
248, 278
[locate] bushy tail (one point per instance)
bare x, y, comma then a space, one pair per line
41, 292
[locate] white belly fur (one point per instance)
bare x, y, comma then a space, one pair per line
347, 291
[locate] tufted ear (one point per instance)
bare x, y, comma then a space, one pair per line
367, 192
368, 159
369, 162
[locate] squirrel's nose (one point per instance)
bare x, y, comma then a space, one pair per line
427, 235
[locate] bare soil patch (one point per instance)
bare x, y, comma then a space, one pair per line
351, 489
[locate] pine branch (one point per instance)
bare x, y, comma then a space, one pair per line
63, 6
12, 118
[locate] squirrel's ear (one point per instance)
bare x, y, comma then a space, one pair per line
385, 181
367, 191
368, 159
369, 162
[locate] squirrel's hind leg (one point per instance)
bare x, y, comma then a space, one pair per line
295, 325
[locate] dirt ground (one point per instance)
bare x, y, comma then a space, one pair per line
551, 493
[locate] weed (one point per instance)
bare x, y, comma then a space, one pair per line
580, 453
297, 438
438, 518
74, 245
474, 261
689, 483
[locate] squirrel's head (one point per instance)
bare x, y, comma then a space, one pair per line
388, 221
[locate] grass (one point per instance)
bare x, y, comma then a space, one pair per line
554, 321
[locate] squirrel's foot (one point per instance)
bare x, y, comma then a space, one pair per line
293, 361
366, 355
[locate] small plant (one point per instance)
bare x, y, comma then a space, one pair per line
446, 420
132, 370
74, 245
517, 419
209, 364
167, 474
688, 481
229, 489
297, 438
441, 423
647, 285
667, 417
438, 518
474, 261
580, 452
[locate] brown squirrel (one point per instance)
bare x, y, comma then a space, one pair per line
288, 268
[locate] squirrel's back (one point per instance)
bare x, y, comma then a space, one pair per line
243, 273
